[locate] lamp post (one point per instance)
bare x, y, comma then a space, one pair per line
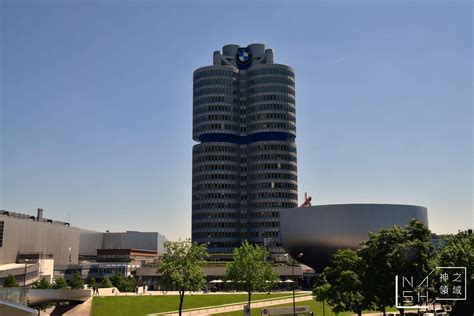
24, 277
292, 261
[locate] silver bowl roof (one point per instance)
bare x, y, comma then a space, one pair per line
319, 231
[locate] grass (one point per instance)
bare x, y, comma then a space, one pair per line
316, 308
143, 305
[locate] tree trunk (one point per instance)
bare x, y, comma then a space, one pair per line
181, 299
250, 295
401, 311
383, 310
359, 312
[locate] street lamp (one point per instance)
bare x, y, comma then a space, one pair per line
293, 261
24, 277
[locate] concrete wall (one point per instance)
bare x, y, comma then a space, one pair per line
24, 235
90, 241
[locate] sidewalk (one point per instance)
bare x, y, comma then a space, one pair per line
234, 307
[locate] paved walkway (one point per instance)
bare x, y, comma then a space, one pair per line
83, 309
235, 307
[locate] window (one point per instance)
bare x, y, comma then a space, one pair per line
2, 226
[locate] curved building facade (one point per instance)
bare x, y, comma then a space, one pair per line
319, 231
244, 165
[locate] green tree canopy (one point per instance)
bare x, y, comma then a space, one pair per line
60, 283
124, 284
10, 281
250, 270
343, 284
77, 282
41, 284
181, 267
395, 251
457, 251
106, 283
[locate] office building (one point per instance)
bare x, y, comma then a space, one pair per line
244, 165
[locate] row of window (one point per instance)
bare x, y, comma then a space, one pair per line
263, 176
273, 89
215, 117
226, 82
218, 244
214, 214
216, 168
279, 125
264, 214
215, 99
207, 127
273, 185
265, 80
216, 158
216, 108
271, 71
268, 195
282, 147
198, 197
270, 166
224, 176
215, 72
263, 224
205, 235
272, 97
273, 106
214, 148
215, 90
272, 116
258, 205
272, 157
215, 186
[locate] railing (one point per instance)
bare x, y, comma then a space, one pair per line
16, 295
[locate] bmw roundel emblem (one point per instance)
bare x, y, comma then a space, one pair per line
243, 56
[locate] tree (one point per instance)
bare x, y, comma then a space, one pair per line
181, 267
394, 251
92, 283
124, 284
458, 251
10, 281
41, 284
106, 283
77, 282
60, 283
250, 270
343, 284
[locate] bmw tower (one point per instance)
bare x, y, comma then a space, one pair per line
244, 162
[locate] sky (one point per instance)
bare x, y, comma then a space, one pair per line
96, 104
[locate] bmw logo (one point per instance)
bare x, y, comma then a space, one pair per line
243, 56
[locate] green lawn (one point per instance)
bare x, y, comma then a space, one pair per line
142, 305
316, 308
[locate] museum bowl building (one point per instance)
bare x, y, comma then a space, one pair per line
319, 231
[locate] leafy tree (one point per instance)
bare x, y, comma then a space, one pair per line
41, 284
124, 284
458, 251
10, 281
394, 251
106, 283
343, 284
92, 282
60, 283
250, 270
77, 282
181, 267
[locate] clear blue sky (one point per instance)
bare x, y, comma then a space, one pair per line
96, 104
